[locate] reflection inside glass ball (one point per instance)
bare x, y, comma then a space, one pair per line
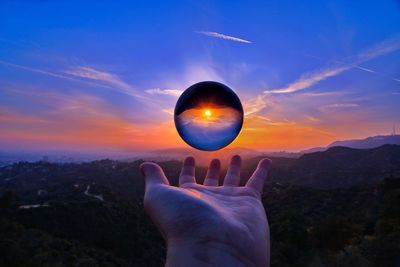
208, 116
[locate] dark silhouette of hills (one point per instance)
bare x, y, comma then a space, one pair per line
369, 142
337, 167
339, 207
203, 158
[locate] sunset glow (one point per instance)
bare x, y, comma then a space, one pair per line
207, 113
69, 82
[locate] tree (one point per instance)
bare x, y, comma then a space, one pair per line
334, 233
8, 199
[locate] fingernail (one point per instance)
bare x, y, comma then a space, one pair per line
189, 161
142, 168
236, 160
265, 163
215, 163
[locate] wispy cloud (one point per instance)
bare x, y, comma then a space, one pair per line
169, 111
312, 118
158, 91
191, 74
99, 78
309, 79
49, 73
342, 105
223, 36
359, 68
322, 94
254, 105
79, 121
106, 77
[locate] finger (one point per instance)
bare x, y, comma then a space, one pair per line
153, 174
212, 176
256, 180
232, 177
187, 172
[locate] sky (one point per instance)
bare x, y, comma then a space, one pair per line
105, 76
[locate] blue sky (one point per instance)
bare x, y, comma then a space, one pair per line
107, 75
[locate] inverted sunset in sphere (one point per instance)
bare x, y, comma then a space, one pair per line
208, 116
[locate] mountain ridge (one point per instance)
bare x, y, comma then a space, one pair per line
369, 142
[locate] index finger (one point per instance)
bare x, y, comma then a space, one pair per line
153, 174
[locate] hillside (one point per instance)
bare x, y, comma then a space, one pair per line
337, 227
91, 214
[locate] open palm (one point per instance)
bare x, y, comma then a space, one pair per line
214, 224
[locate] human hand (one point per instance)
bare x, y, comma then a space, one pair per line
210, 225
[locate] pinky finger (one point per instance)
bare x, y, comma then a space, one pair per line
256, 181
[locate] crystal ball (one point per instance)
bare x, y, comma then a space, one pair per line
208, 115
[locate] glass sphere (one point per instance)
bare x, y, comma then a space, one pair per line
208, 116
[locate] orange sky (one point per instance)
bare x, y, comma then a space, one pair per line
87, 123
109, 84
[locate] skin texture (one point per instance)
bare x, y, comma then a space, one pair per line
210, 225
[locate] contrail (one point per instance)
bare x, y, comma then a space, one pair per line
358, 67
364, 69
377, 73
223, 36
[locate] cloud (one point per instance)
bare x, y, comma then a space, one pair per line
169, 111
190, 75
106, 77
309, 79
342, 105
82, 122
312, 118
268, 134
158, 91
261, 121
102, 79
359, 67
254, 105
107, 80
320, 94
223, 36
49, 73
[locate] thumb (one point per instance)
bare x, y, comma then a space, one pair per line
153, 174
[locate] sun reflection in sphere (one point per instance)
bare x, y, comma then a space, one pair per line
207, 113
208, 116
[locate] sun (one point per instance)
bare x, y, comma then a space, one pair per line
207, 113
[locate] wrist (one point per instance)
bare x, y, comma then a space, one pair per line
205, 252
